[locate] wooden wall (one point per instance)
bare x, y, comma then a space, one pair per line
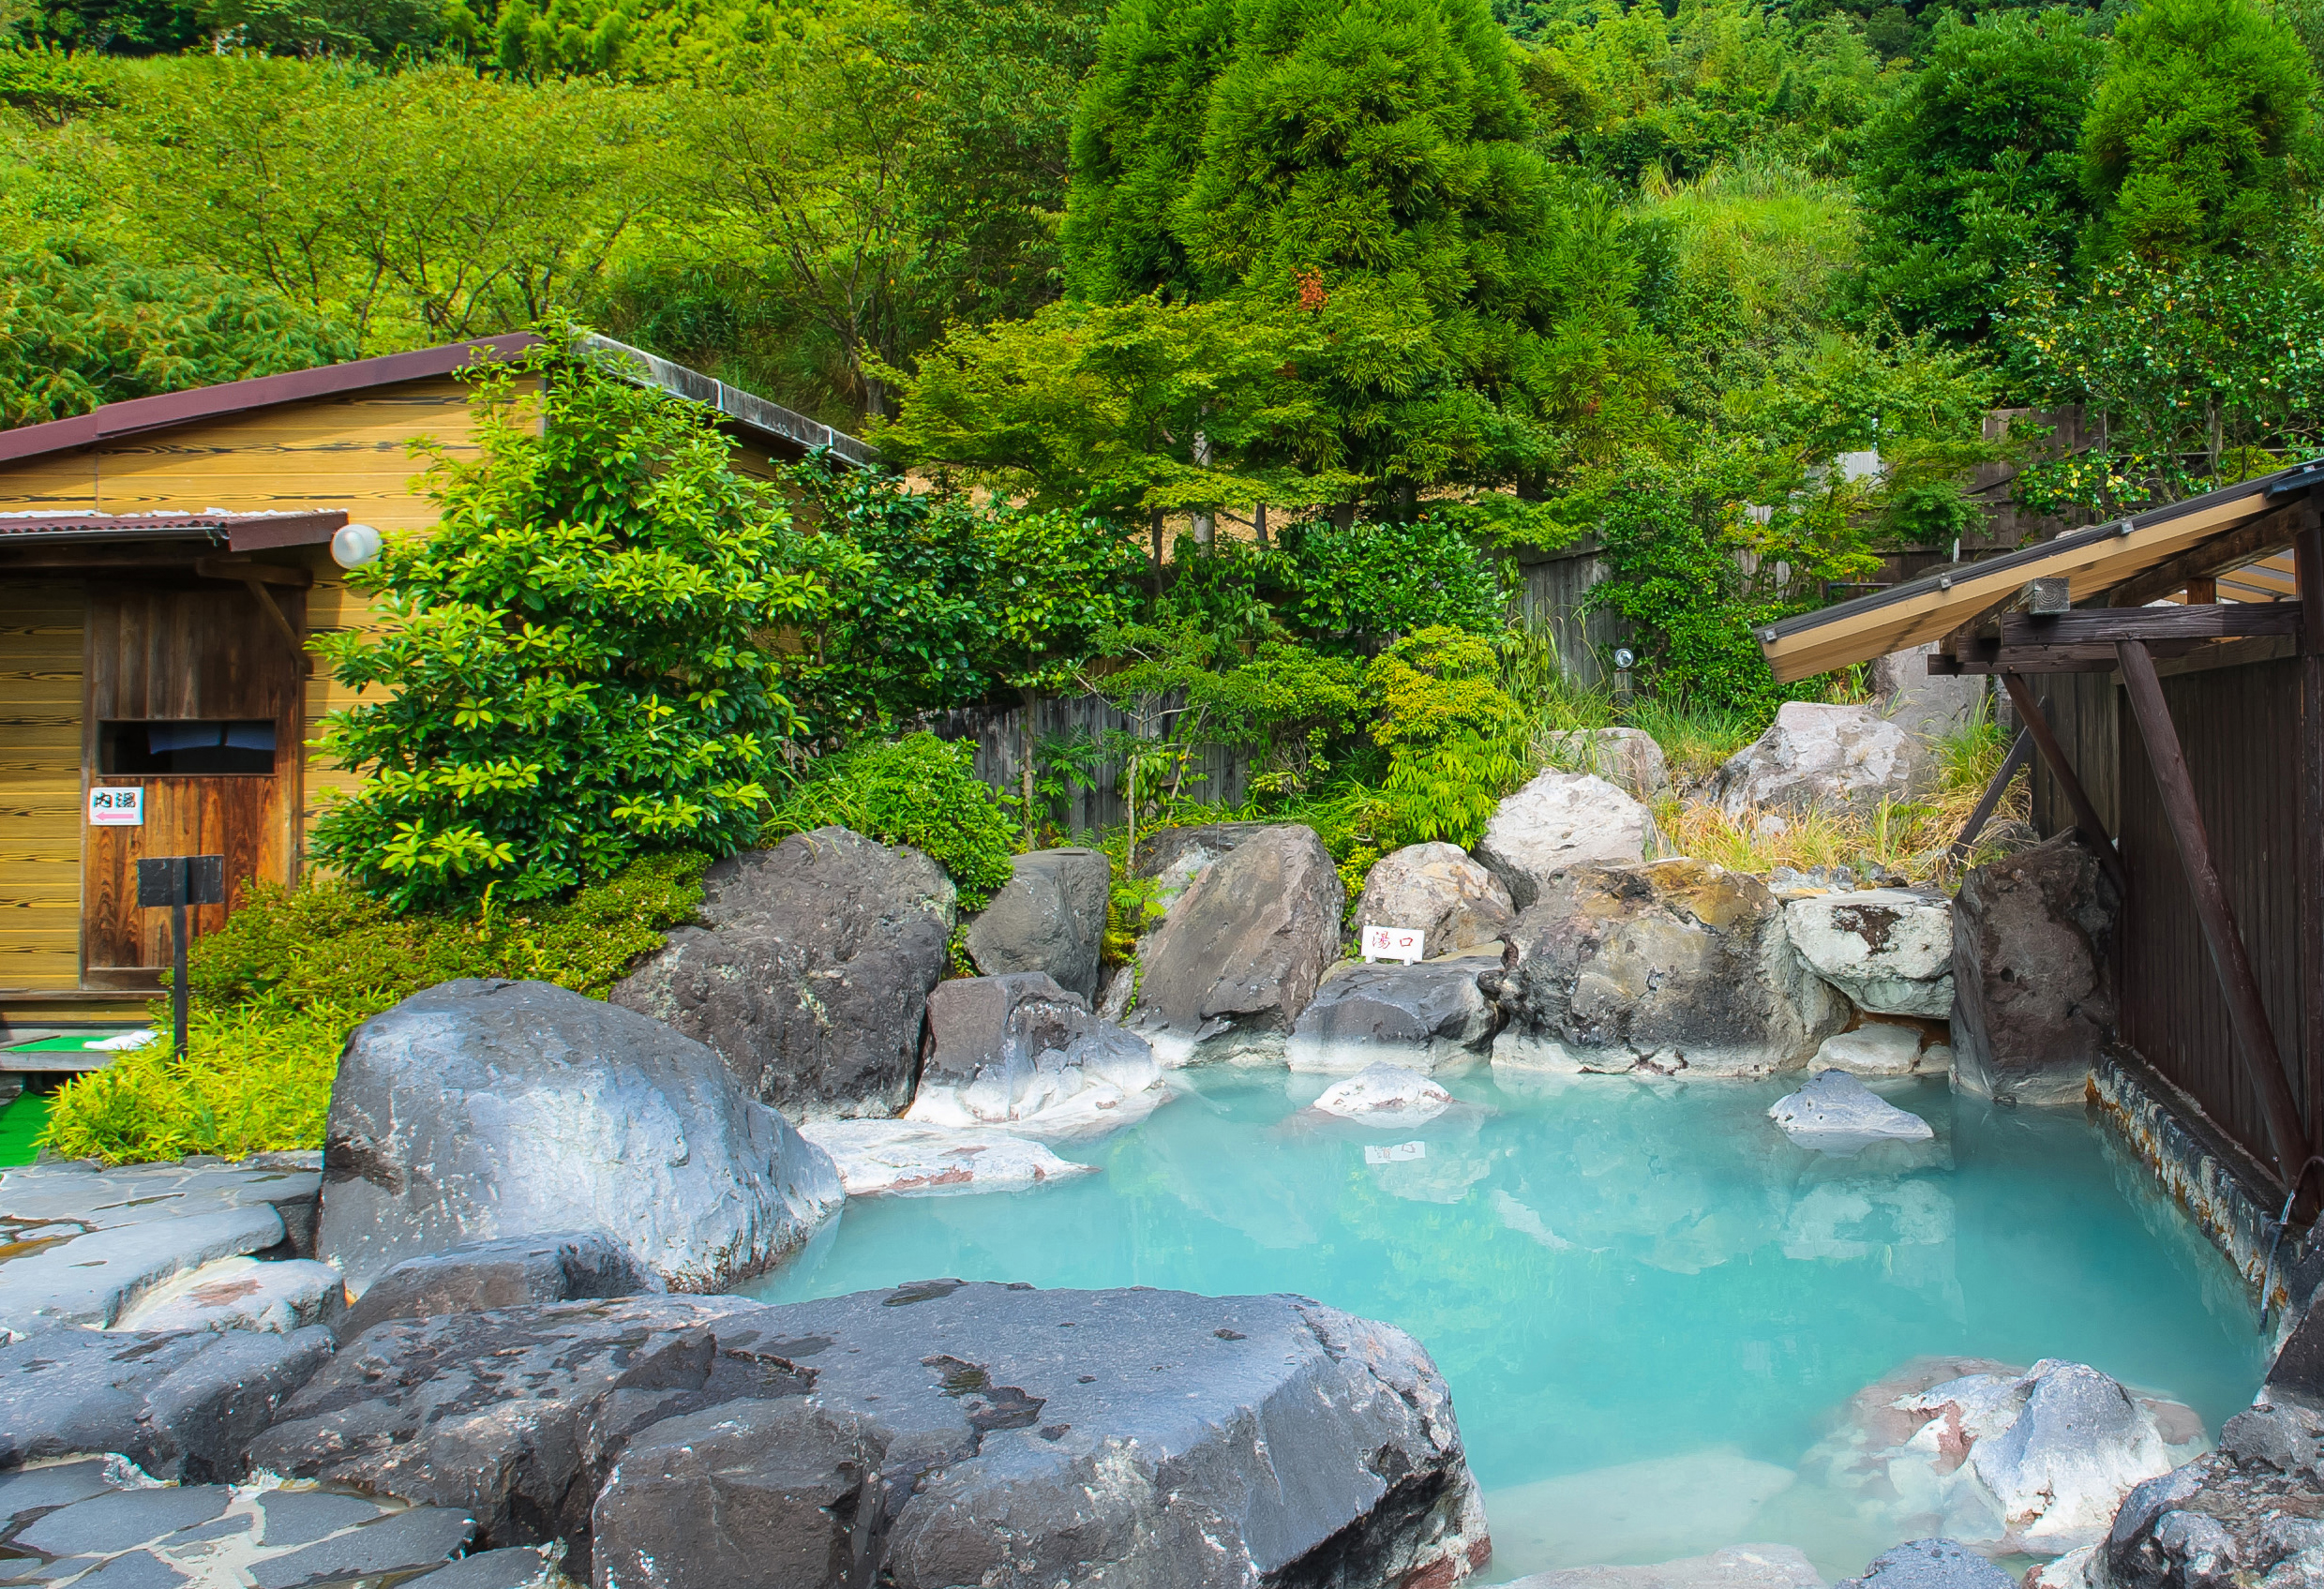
40, 734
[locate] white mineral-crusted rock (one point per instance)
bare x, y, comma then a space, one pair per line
1736, 1567
1889, 950
1437, 889
1560, 821
2077, 1444
1837, 1114
243, 1294
1021, 1053
902, 1156
1628, 759
1883, 1048
1817, 756
1387, 1096
1427, 1016
1677, 966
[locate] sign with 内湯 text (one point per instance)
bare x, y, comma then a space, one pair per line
117, 806
1392, 943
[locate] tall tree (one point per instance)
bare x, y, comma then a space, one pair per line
1975, 170
2188, 148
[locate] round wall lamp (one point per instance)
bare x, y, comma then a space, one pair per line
355, 545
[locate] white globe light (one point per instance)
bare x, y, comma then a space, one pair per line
355, 545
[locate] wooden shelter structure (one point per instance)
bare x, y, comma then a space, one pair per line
162, 564
2168, 669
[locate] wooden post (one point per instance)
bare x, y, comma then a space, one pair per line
2308, 562
2085, 814
2021, 751
2203, 591
2246, 1015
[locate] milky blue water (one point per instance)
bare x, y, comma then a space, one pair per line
1648, 1304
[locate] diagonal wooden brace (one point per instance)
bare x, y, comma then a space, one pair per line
2021, 751
2085, 814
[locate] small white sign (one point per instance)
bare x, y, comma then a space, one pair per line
1392, 943
118, 806
1396, 1153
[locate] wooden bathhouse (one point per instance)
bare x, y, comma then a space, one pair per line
162, 564
2169, 668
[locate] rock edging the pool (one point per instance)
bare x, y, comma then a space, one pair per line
935, 1434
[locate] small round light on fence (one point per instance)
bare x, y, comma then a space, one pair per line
1624, 658
355, 545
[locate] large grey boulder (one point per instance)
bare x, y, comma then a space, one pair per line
809, 971
1628, 759
1242, 952
2033, 990
1927, 705
182, 1405
1559, 821
1019, 1050
1832, 757
506, 1272
1674, 966
1426, 1016
1050, 916
479, 1109
1174, 857
1889, 950
2243, 1517
1454, 903
934, 1434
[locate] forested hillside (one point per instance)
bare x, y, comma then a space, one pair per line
1523, 272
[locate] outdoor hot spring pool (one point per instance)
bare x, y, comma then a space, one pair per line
1650, 1305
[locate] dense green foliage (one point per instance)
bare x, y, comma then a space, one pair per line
292, 972
918, 791
573, 656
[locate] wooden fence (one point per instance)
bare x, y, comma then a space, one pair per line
1219, 774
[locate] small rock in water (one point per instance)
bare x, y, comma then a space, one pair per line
905, 1157
1736, 1567
1837, 1114
1930, 1564
1387, 1096
1878, 1048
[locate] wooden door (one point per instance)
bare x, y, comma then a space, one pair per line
168, 666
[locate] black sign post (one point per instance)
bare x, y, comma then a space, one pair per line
178, 881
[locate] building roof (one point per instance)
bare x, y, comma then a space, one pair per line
2095, 562
238, 531
772, 426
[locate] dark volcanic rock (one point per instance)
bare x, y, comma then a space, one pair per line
809, 971
2247, 1516
1930, 1564
1673, 966
1242, 950
1422, 1017
180, 1406
477, 1110
1174, 857
2033, 993
935, 1435
1020, 1050
477, 1275
1051, 917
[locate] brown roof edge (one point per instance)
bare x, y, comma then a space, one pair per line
240, 397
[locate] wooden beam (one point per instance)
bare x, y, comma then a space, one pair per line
2085, 814
242, 568
2202, 590
2021, 751
2219, 621
2262, 537
283, 626
2247, 1015
2082, 656
2308, 888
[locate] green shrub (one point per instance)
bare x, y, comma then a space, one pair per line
294, 971
918, 791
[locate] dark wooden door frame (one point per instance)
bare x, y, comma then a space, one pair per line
2308, 566
2247, 1015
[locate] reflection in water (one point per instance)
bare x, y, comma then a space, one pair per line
1651, 1307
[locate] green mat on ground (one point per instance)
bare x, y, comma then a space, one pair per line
21, 1124
62, 1044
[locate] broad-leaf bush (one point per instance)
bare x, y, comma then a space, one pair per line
918, 791
580, 662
